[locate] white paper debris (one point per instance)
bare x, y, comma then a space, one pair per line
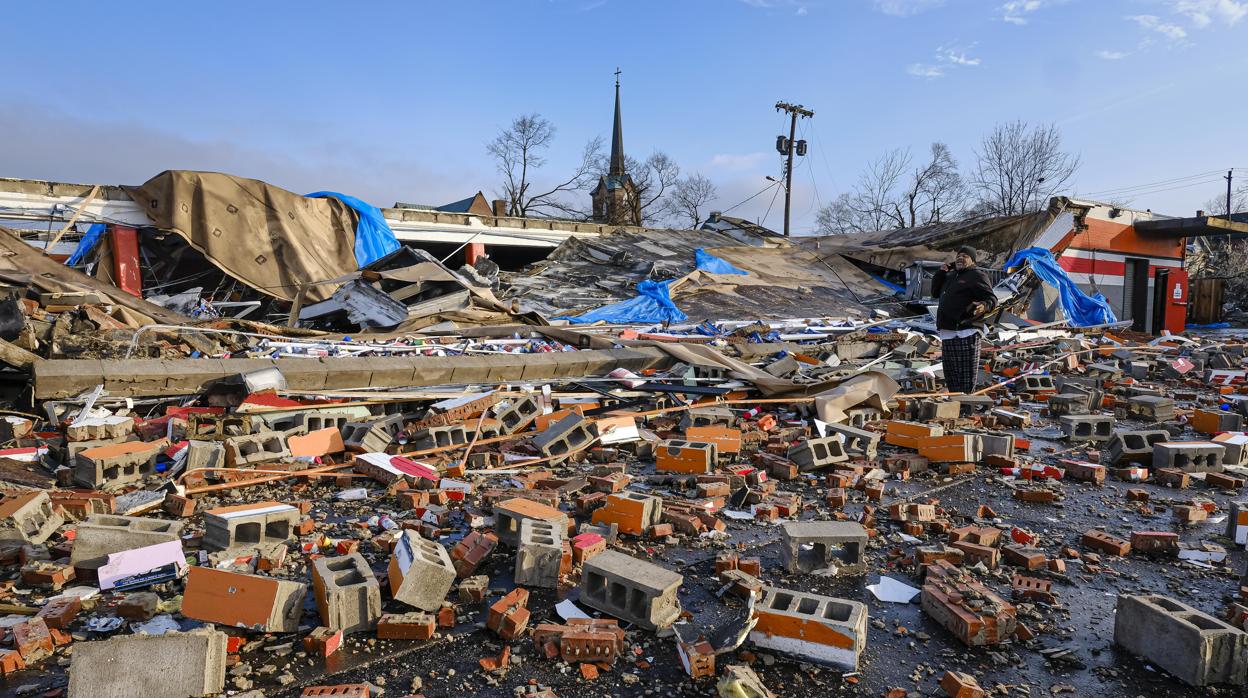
892, 590
566, 609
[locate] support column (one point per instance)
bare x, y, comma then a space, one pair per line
126, 259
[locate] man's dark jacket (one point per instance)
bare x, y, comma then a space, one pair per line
957, 290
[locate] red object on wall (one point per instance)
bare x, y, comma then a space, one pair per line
473, 252
126, 259
1176, 305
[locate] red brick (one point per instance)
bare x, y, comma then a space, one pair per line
508, 616
1105, 543
1155, 542
346, 690
10, 661
32, 640
323, 641
959, 685
60, 612
406, 626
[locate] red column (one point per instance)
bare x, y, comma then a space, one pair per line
473, 252
126, 259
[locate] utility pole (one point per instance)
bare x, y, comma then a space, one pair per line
786, 148
1228, 193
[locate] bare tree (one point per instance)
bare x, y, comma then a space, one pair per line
519, 150
689, 197
1019, 168
653, 178
889, 194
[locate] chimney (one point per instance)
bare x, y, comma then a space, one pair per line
713, 218
1200, 213
500, 208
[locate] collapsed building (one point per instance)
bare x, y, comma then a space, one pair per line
304, 446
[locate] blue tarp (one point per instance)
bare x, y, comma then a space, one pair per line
709, 262
87, 243
1081, 309
651, 304
373, 237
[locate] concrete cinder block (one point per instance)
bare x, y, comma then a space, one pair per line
539, 555
1150, 407
1084, 427
373, 435
255, 448
114, 466
250, 601
811, 627
347, 594
563, 437
104, 534
173, 665
953, 448
632, 512
813, 454
93, 428
1235, 445
420, 572
516, 413
998, 445
437, 437
677, 456
1195, 647
510, 513
807, 546
1216, 421
1188, 456
1035, 384
707, 417
857, 441
205, 454
634, 590
939, 409
28, 517
1068, 403
1134, 446
249, 525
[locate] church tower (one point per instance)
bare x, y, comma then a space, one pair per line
615, 197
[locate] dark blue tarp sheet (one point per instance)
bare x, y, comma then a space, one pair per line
651, 304
709, 262
373, 237
87, 243
1081, 309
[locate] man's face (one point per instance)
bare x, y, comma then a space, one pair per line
963, 261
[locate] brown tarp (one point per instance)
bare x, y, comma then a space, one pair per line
266, 237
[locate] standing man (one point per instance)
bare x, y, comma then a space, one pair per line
964, 293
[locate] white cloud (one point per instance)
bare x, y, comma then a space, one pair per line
956, 56
1016, 11
1202, 13
921, 70
1153, 23
1112, 55
802, 11
905, 8
737, 162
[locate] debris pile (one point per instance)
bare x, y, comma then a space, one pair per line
750, 509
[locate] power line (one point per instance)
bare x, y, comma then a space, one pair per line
764, 191
1150, 185
773, 203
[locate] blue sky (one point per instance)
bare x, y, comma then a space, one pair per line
395, 101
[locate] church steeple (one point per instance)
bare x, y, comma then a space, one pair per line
617, 135
615, 198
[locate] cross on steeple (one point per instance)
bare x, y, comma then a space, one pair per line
617, 76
